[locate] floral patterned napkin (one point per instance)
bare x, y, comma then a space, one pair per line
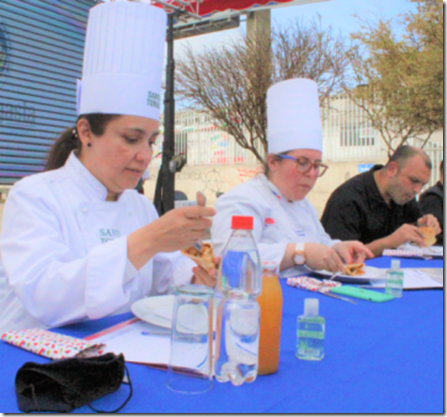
404, 253
51, 345
312, 284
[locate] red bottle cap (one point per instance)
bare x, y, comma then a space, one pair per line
242, 222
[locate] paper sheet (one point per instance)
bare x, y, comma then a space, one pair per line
137, 341
417, 279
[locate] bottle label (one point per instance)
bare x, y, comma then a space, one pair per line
308, 351
232, 267
309, 334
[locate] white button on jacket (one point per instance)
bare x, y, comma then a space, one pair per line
64, 251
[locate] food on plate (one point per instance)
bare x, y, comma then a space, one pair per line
354, 269
429, 235
203, 258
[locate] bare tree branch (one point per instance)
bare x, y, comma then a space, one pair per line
230, 82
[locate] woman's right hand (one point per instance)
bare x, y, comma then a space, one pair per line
182, 227
175, 230
322, 257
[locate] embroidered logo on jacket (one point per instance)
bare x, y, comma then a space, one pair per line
106, 235
269, 221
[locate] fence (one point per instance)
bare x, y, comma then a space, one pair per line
199, 138
348, 136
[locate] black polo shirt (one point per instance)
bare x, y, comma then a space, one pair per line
432, 202
357, 211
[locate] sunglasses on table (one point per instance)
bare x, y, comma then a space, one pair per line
304, 164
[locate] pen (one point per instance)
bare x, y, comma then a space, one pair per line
338, 297
156, 333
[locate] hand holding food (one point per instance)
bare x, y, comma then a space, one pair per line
352, 251
429, 235
203, 258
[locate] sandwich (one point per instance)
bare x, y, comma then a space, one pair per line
354, 269
203, 258
429, 235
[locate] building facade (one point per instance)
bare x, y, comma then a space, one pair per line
41, 49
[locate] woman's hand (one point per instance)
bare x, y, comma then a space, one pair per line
180, 228
175, 230
322, 257
208, 278
352, 251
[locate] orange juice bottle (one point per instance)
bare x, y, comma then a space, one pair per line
270, 302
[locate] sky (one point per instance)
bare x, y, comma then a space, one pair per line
337, 13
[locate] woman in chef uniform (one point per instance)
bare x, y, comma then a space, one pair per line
79, 242
286, 226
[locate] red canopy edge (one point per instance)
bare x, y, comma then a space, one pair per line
212, 6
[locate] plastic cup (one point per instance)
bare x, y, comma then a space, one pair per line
190, 367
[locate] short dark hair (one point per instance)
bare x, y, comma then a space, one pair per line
403, 153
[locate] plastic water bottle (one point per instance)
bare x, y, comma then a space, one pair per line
394, 279
310, 332
240, 269
239, 284
236, 356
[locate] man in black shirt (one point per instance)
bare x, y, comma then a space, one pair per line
432, 202
378, 207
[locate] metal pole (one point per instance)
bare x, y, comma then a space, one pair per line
164, 191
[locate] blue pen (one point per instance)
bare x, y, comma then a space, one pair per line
155, 333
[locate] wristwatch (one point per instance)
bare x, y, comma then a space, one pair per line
298, 257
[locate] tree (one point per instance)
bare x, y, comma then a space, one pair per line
230, 82
400, 82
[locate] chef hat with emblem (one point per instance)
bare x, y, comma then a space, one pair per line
293, 116
123, 60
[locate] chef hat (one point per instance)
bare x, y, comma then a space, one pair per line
293, 116
123, 60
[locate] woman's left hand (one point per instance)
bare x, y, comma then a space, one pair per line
203, 277
352, 251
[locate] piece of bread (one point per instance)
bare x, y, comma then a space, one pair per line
429, 235
354, 269
203, 258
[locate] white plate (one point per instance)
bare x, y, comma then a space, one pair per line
158, 310
437, 251
371, 274
155, 310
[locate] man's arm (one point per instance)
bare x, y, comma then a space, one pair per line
403, 234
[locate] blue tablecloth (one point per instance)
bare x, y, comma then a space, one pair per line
380, 358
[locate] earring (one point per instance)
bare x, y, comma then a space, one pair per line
75, 133
89, 144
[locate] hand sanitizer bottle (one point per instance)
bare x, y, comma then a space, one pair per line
394, 279
310, 332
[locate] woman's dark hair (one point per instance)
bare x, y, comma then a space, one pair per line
277, 159
69, 139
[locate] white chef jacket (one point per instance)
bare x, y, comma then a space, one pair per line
276, 221
64, 251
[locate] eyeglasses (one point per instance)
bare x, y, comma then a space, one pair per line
304, 165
